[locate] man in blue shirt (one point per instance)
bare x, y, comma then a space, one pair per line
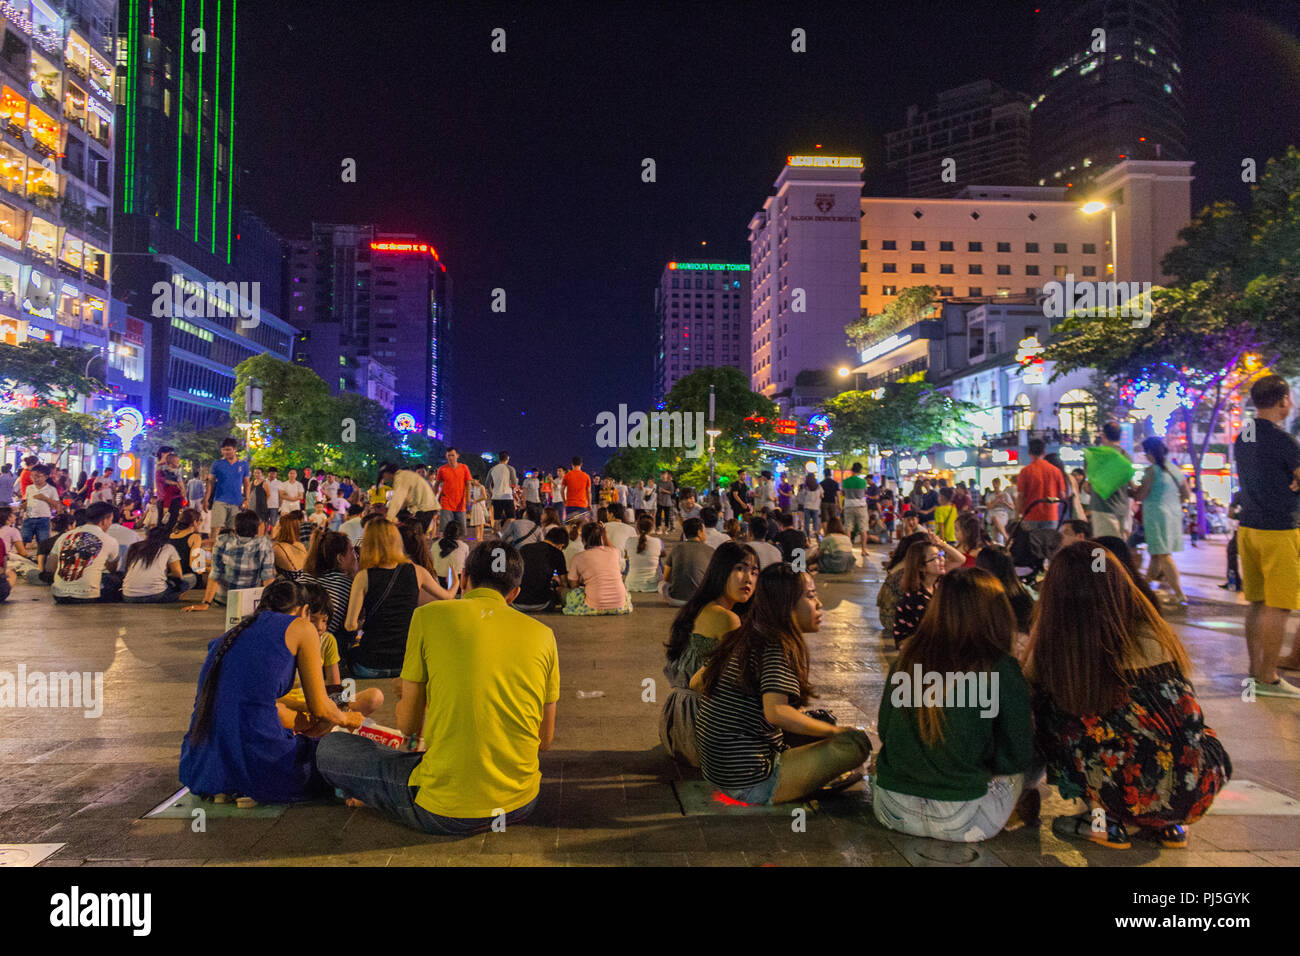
227, 486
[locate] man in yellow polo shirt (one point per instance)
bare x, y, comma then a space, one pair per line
481, 680
1268, 538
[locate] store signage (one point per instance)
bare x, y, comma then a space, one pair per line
955, 459
1069, 453
128, 425
826, 162
405, 422
404, 247
1213, 461
888, 345
134, 331
1030, 358
782, 426
710, 266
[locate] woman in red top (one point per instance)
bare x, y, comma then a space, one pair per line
971, 537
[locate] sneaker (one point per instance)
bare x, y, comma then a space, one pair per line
1115, 836
245, 803
1279, 688
1172, 837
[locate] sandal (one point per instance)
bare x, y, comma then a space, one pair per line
1172, 837
843, 781
1115, 836
245, 803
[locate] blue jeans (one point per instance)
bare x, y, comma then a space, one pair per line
759, 794
376, 775
175, 588
958, 821
447, 517
812, 520
1038, 525
38, 528
374, 673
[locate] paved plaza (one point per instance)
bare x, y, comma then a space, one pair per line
610, 795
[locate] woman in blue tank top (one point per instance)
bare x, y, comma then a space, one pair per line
241, 741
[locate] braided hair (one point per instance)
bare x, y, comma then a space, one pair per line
282, 595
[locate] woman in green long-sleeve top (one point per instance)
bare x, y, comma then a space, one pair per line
955, 727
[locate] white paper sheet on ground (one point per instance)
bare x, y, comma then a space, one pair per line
27, 854
1243, 798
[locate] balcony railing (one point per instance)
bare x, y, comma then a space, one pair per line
44, 201
76, 69
1053, 436
96, 281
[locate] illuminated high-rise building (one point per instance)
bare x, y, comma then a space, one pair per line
1108, 88
702, 311
178, 222
374, 311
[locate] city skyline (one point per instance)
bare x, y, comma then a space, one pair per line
532, 181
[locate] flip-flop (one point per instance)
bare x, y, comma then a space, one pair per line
1172, 837
1079, 827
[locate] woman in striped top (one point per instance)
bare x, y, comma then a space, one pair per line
332, 563
752, 687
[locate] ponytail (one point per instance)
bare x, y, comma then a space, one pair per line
280, 596
643, 527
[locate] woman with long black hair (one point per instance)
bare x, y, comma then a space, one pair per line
153, 571
713, 611
242, 742
1162, 493
752, 687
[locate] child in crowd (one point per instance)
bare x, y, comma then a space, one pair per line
366, 702
945, 517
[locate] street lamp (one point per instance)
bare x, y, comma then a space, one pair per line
844, 371
1094, 206
713, 433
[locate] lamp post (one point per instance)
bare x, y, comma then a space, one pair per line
713, 433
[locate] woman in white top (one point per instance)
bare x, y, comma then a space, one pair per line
575, 546
999, 506
449, 556
812, 505
642, 553
153, 571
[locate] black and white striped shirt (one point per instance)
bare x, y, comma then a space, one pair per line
339, 586
736, 743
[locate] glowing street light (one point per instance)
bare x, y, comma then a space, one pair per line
844, 371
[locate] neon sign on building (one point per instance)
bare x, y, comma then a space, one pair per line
833, 162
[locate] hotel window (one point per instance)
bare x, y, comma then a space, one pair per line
974, 247
1031, 270
1004, 270
1031, 247
945, 246
975, 269
1060, 248
1090, 270
889, 290
864, 267
918, 245
889, 244
975, 290
889, 267
945, 269
863, 243
1058, 271
1089, 248
1004, 247
918, 267
864, 290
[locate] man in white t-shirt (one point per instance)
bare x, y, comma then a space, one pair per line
501, 481
533, 498
85, 560
40, 501
291, 493
617, 530
767, 552
712, 536
125, 537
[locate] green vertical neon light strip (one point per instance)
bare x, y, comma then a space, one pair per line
128, 180
230, 159
198, 115
216, 129
180, 115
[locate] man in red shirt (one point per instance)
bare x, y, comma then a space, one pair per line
1039, 479
452, 481
577, 492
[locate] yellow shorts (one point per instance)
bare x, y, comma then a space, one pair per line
1270, 566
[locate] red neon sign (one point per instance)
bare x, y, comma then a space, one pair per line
405, 247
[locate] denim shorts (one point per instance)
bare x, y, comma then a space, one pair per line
758, 794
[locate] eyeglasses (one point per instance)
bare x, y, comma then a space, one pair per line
934, 557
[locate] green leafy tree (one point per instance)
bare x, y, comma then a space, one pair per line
911, 306
1231, 317
51, 428
195, 447
907, 418
49, 370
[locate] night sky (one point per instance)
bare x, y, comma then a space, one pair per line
524, 169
